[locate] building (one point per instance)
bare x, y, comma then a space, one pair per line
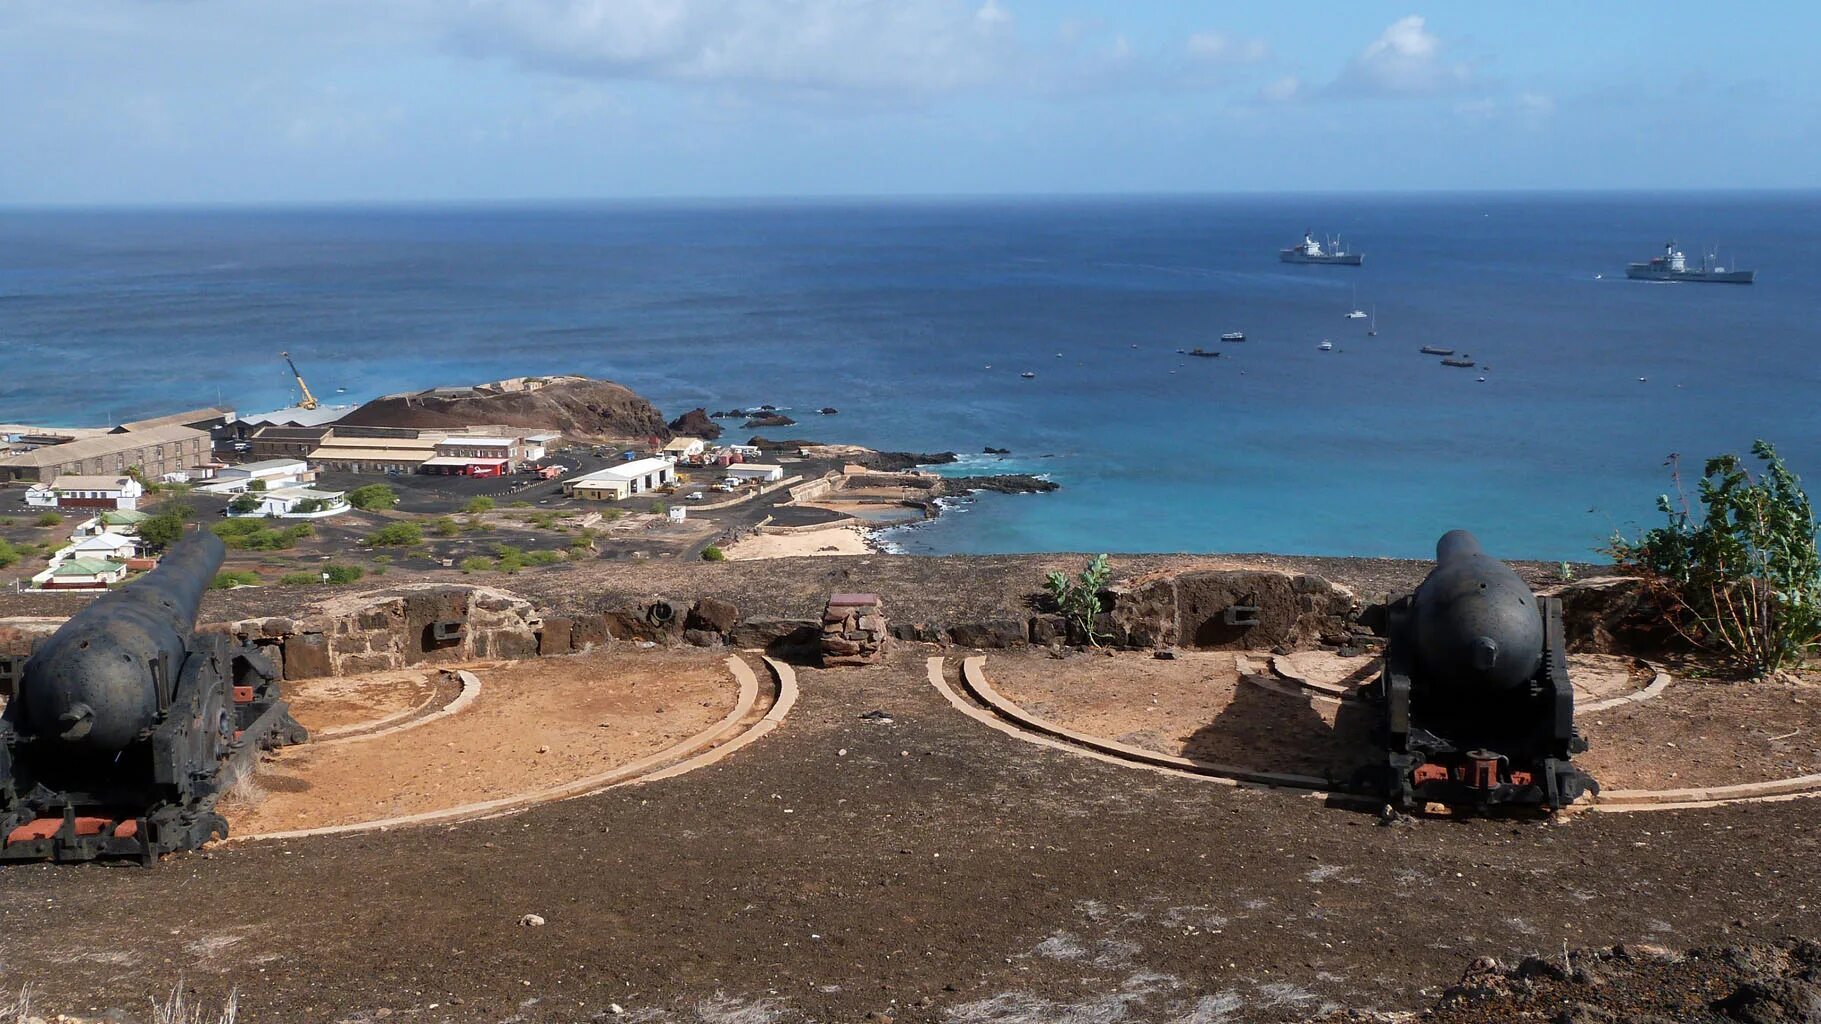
154, 451
684, 448
755, 471
105, 546
370, 451
475, 455
285, 442
81, 574
296, 503
618, 482
295, 416
122, 522
78, 491
271, 474
454, 465
538, 445
199, 419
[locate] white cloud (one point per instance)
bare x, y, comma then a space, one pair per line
1405, 60
915, 46
1282, 90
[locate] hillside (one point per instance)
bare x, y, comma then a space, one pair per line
580, 407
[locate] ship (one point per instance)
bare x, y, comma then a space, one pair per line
1673, 266
1435, 350
1233, 336
1311, 251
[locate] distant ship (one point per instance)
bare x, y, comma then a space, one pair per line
1673, 266
1435, 350
1233, 336
1311, 251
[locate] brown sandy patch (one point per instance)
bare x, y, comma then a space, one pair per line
1706, 734
1596, 677
838, 540
536, 724
340, 703
1195, 706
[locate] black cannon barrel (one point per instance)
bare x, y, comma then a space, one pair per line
95, 683
1476, 621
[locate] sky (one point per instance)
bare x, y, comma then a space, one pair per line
257, 101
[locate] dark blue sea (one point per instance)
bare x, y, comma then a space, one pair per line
916, 318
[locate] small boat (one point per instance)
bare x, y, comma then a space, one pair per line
1357, 313
1326, 345
1482, 380
1435, 350
1233, 336
1452, 361
1203, 353
1027, 375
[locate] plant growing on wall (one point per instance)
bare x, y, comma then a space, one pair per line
1078, 598
1743, 576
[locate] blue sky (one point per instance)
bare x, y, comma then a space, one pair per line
154, 101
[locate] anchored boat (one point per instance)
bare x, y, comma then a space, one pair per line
1311, 251
1673, 266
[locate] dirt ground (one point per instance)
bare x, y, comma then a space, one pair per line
536, 724
1693, 734
925, 869
838, 541
336, 704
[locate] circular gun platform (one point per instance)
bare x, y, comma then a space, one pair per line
416, 747
1296, 721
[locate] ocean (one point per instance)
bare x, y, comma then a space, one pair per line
915, 319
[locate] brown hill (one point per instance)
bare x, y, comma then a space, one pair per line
580, 407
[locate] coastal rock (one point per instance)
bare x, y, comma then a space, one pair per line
696, 423
766, 444
770, 419
828, 410
990, 450
1007, 483
577, 406
897, 462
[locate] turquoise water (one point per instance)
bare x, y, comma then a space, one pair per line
892, 313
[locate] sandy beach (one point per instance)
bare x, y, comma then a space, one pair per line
838, 540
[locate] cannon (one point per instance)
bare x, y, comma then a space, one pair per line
126, 725
1478, 709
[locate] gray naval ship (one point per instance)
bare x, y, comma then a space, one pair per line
1673, 266
1311, 251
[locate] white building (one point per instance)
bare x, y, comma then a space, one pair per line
75, 491
111, 547
81, 574
295, 503
538, 445
273, 473
681, 448
618, 482
755, 471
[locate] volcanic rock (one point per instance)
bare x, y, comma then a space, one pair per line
577, 406
696, 423
769, 419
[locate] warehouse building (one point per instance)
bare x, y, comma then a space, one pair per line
154, 451
618, 482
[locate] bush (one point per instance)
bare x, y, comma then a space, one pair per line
50, 519
396, 535
242, 504
608, 515
300, 579
256, 485
1079, 599
1744, 579
373, 497
658, 508
476, 564
478, 505
308, 505
161, 531
713, 554
543, 556
228, 580
509, 559
8, 553
445, 527
343, 573
521, 504
253, 535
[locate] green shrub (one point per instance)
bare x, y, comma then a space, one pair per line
256, 485
228, 580
1079, 598
543, 556
382, 559
343, 573
608, 515
373, 497
521, 504
309, 505
396, 535
479, 504
300, 579
50, 519
476, 564
713, 554
243, 503
8, 553
1744, 578
445, 527
161, 531
658, 508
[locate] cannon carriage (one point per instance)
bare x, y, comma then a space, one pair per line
126, 725
1478, 709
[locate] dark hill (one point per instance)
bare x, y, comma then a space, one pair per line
580, 407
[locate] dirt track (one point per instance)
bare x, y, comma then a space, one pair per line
937, 871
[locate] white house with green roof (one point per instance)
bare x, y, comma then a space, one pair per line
81, 574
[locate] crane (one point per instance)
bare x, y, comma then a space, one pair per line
308, 400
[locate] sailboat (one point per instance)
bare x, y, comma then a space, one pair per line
1372, 325
1357, 313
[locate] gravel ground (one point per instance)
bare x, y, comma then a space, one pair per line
925, 869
